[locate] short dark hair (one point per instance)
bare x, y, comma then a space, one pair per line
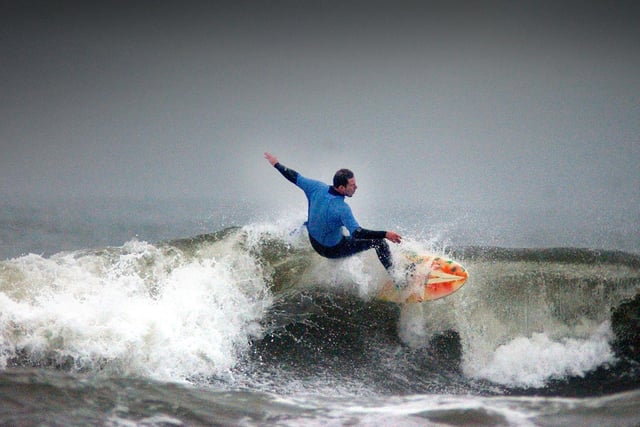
342, 177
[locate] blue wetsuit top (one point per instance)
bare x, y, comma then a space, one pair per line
328, 212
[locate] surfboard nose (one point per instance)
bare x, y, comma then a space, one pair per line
448, 268
446, 276
441, 276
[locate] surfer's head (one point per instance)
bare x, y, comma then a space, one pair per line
344, 182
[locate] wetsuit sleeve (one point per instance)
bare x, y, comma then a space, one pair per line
290, 174
363, 233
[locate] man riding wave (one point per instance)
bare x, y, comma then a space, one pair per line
328, 213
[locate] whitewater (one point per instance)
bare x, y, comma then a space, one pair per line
232, 319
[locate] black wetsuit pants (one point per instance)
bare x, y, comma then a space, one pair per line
351, 246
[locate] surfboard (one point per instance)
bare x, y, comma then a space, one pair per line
426, 278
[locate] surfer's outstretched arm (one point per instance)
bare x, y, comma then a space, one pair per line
290, 174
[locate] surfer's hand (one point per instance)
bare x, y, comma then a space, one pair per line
393, 236
271, 158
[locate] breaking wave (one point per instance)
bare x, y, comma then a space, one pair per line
255, 306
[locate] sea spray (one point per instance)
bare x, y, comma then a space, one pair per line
525, 322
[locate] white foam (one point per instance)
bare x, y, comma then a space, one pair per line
139, 311
532, 361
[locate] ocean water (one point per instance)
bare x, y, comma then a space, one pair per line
198, 313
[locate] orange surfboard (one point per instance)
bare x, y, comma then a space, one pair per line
427, 278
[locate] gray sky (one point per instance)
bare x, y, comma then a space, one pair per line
534, 102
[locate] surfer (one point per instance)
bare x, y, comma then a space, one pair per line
328, 214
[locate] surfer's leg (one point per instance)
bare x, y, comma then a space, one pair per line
350, 247
384, 253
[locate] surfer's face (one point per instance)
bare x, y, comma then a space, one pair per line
350, 188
